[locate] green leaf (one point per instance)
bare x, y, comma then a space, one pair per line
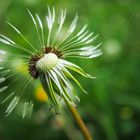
48, 87
52, 93
75, 68
74, 79
65, 93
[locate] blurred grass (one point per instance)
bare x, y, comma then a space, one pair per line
112, 109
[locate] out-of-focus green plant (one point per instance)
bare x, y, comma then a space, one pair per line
111, 110
46, 60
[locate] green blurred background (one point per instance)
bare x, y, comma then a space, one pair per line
112, 109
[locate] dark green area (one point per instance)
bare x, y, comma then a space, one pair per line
111, 110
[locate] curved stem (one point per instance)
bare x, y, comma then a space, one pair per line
78, 120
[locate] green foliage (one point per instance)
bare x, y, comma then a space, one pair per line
111, 110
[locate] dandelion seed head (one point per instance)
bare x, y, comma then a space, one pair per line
47, 62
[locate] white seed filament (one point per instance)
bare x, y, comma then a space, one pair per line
47, 62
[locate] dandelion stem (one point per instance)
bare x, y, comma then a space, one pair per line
78, 120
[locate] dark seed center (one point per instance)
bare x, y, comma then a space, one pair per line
32, 62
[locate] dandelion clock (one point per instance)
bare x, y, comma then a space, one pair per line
47, 62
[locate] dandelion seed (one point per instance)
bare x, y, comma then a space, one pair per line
46, 62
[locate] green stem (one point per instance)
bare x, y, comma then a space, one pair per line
78, 120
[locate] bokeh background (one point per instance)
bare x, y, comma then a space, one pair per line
112, 109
